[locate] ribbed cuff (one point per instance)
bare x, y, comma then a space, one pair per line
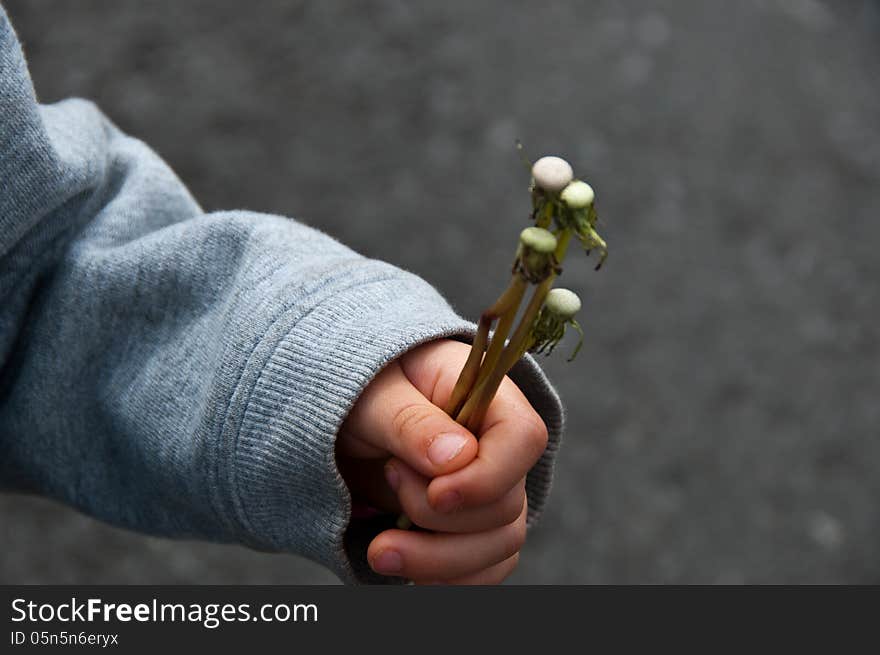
287, 491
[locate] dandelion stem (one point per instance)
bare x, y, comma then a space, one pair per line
499, 338
545, 217
504, 309
474, 410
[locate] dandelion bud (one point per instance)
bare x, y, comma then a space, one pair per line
552, 173
536, 257
560, 307
578, 195
538, 239
563, 303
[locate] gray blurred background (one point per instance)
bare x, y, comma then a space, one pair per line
723, 414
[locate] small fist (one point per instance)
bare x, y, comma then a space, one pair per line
400, 452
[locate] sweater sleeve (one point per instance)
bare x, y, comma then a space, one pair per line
184, 373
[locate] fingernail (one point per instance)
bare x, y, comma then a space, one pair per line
388, 562
392, 477
444, 447
448, 501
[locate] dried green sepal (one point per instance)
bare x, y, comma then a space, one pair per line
535, 257
558, 311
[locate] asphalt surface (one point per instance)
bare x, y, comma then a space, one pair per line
723, 414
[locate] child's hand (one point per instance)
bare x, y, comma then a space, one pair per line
470, 494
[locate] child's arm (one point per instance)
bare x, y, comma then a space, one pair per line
183, 373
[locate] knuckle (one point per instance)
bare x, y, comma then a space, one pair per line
482, 491
538, 435
512, 506
408, 419
515, 539
414, 504
417, 512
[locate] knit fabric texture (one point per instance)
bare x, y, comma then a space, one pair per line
184, 373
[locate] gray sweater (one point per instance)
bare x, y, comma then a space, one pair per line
184, 373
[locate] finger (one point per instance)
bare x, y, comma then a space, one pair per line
513, 439
438, 556
395, 416
433, 368
411, 488
492, 576
366, 481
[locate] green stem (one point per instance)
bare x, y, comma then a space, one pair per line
499, 338
474, 410
545, 218
505, 309
470, 369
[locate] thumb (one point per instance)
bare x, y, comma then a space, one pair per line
394, 417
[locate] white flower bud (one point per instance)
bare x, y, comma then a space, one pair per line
578, 195
539, 240
552, 173
562, 302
